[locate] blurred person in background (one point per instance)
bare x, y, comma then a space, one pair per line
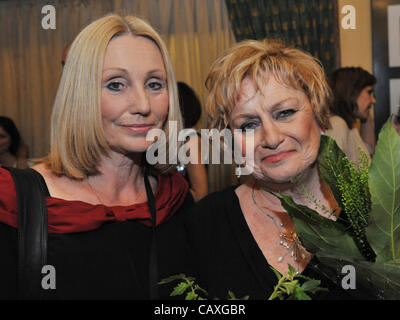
353, 91
13, 151
194, 172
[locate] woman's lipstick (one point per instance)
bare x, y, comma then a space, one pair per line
138, 128
278, 157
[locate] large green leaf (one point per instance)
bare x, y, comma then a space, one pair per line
319, 234
383, 232
374, 280
330, 165
385, 278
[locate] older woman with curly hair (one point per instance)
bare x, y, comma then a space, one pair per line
236, 235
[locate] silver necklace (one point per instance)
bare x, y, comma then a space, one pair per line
290, 242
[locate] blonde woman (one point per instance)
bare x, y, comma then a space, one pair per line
117, 84
238, 234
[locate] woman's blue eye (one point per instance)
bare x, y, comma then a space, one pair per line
248, 126
155, 85
115, 86
285, 113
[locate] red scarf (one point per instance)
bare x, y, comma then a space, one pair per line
66, 216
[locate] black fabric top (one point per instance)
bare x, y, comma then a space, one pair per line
110, 262
227, 256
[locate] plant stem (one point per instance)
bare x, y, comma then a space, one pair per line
276, 288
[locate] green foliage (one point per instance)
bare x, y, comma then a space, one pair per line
231, 296
384, 177
186, 285
318, 233
349, 184
289, 286
371, 200
193, 291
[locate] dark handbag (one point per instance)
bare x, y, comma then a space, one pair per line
31, 192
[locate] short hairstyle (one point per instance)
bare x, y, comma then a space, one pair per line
347, 84
77, 137
9, 126
190, 105
259, 60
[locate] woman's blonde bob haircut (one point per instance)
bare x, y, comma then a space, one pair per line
77, 137
259, 60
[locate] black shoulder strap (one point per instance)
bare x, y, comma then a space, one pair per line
32, 231
153, 270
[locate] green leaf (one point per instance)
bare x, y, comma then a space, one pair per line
276, 294
191, 295
278, 275
292, 271
231, 296
180, 289
300, 294
383, 232
197, 287
310, 285
290, 286
385, 278
330, 165
318, 233
349, 184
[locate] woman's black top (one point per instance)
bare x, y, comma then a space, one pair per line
110, 262
227, 256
